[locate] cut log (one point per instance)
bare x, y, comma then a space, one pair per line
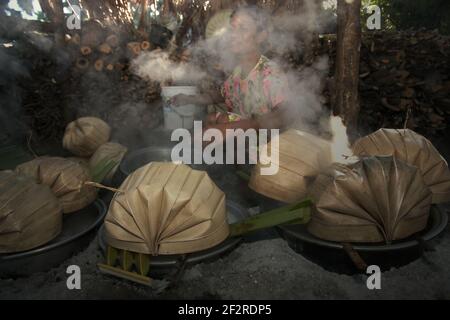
104, 48
75, 39
409, 93
145, 45
85, 50
82, 63
98, 65
93, 33
112, 40
110, 67
134, 48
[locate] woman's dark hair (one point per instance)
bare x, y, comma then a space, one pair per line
259, 16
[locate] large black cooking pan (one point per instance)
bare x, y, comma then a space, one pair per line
163, 265
78, 230
166, 264
335, 256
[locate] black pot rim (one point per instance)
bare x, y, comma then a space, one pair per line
439, 221
167, 261
124, 165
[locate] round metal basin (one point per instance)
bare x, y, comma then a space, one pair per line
78, 230
332, 256
138, 158
165, 264
223, 175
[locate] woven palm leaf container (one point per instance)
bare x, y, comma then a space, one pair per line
65, 178
414, 149
377, 199
30, 214
301, 156
84, 135
164, 209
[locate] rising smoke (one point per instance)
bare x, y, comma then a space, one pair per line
12, 69
286, 33
157, 66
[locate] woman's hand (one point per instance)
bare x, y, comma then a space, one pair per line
182, 100
217, 118
222, 118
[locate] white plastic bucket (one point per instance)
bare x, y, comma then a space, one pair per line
182, 116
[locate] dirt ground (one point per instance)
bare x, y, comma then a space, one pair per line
265, 269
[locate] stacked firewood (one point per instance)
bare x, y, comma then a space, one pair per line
59, 90
103, 83
104, 50
404, 80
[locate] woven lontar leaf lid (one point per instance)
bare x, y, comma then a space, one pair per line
30, 214
84, 135
301, 157
414, 149
167, 208
373, 200
65, 178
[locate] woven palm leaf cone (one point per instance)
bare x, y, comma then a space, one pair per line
108, 151
414, 149
85, 135
30, 214
65, 178
373, 200
301, 157
167, 209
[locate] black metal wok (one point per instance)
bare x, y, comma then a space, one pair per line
334, 256
164, 265
78, 230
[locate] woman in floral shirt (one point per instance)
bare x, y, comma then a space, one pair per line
260, 92
256, 92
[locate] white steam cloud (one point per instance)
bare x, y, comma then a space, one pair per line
157, 66
287, 33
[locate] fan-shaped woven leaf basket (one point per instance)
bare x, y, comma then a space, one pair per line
301, 156
414, 149
377, 199
165, 209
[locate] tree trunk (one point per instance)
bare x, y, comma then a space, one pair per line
346, 102
14, 28
114, 12
54, 11
168, 8
143, 19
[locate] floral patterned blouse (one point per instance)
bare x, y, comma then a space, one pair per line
262, 91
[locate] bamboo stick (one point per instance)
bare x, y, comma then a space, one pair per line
101, 186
